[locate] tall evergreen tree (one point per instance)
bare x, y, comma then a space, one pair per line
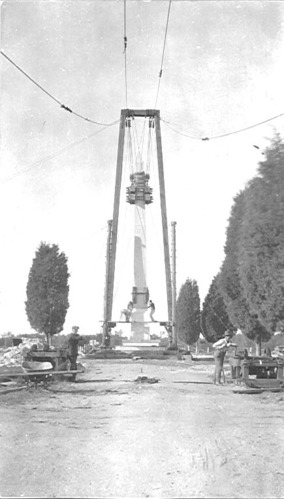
214, 317
47, 291
188, 312
262, 253
229, 281
241, 310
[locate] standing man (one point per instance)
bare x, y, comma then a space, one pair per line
151, 306
221, 346
73, 349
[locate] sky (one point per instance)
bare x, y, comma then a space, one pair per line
222, 72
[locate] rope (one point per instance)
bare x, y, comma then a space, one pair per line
51, 156
162, 62
179, 132
131, 150
168, 124
142, 139
217, 315
149, 150
66, 108
243, 129
136, 140
125, 57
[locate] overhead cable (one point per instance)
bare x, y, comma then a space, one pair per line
227, 326
164, 47
168, 124
224, 134
52, 156
125, 55
66, 108
243, 129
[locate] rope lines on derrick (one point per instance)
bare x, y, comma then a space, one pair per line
149, 148
138, 141
66, 108
163, 54
142, 139
129, 148
214, 137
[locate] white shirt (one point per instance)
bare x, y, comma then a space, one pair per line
221, 344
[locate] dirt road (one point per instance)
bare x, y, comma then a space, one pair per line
109, 436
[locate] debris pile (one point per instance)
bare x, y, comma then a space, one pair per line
13, 356
145, 379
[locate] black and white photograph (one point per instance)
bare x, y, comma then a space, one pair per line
142, 249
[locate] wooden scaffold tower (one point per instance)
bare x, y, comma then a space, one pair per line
139, 195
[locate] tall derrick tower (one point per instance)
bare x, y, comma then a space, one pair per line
139, 194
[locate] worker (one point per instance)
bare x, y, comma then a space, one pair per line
127, 312
221, 346
130, 309
107, 338
151, 306
73, 349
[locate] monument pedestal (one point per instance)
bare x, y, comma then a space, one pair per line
139, 330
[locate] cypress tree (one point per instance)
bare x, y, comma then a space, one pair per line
188, 312
262, 253
47, 291
214, 317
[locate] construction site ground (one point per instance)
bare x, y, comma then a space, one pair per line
108, 435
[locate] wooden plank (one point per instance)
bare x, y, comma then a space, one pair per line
140, 113
10, 390
38, 373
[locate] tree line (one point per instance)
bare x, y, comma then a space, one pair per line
247, 293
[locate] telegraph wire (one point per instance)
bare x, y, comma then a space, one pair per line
176, 125
33, 81
52, 156
214, 137
243, 129
168, 124
66, 108
164, 47
227, 326
125, 56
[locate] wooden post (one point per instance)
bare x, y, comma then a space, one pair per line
163, 212
280, 365
115, 214
107, 310
174, 330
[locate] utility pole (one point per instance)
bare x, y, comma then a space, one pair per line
107, 300
174, 330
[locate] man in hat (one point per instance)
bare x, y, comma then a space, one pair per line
73, 349
221, 346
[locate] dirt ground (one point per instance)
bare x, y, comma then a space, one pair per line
109, 436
